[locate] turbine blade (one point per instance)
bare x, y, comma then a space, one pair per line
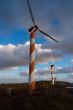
47, 35
31, 14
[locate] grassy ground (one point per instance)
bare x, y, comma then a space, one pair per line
46, 97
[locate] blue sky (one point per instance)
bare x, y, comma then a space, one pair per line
55, 17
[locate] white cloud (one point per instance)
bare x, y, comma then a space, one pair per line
72, 61
14, 68
13, 56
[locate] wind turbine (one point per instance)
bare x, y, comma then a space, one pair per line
32, 31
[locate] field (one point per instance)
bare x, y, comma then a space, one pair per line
46, 97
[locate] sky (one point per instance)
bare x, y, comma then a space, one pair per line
55, 17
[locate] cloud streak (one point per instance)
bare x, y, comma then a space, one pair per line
46, 71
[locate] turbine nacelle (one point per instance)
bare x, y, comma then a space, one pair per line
33, 28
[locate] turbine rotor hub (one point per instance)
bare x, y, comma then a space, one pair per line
33, 28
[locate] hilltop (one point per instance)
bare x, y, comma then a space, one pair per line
46, 97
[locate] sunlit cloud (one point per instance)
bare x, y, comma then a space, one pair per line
13, 56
